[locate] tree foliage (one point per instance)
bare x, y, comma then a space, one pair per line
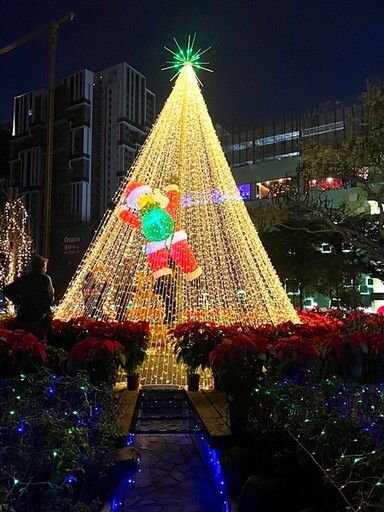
358, 166
296, 255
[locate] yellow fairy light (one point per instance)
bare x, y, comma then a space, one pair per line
15, 242
238, 282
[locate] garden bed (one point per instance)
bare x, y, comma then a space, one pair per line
55, 434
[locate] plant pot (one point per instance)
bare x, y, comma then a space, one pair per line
133, 382
193, 381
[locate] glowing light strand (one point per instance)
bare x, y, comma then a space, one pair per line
183, 149
15, 242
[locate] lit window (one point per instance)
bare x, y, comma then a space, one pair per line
265, 141
345, 247
326, 248
327, 184
323, 128
245, 191
273, 188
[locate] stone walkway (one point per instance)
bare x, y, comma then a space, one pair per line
174, 473
172, 478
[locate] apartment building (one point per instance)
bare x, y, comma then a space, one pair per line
5, 137
101, 120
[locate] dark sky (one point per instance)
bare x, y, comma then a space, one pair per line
269, 57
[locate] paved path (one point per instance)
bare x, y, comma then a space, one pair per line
173, 476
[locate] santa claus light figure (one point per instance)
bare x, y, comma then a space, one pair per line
154, 213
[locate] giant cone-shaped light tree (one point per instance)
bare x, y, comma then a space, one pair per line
179, 244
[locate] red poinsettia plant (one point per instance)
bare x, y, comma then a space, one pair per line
129, 340
135, 338
99, 357
65, 334
132, 336
20, 352
297, 358
238, 361
194, 342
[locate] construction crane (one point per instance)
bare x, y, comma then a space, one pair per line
52, 29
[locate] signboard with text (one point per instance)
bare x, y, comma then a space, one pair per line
71, 245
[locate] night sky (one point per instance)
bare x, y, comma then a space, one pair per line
269, 57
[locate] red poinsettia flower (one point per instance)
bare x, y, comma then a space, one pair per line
376, 343
7, 336
335, 342
110, 346
89, 346
220, 352
188, 329
27, 342
297, 348
81, 349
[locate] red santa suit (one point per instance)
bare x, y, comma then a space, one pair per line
176, 245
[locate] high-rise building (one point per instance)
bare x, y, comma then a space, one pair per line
128, 112
101, 120
5, 137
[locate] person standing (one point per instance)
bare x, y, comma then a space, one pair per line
33, 294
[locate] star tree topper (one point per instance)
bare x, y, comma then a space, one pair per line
186, 57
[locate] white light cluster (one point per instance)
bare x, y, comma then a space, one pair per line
182, 148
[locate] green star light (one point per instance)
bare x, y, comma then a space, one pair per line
186, 57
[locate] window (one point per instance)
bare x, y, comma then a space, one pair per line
264, 141
245, 191
326, 248
327, 183
323, 128
291, 287
31, 167
75, 198
273, 188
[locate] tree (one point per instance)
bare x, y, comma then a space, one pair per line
357, 162
15, 242
293, 254
296, 254
203, 240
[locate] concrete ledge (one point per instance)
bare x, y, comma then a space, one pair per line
211, 409
126, 406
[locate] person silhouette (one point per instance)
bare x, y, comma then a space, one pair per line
33, 293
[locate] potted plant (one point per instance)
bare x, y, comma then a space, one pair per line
194, 342
238, 364
99, 357
135, 356
134, 337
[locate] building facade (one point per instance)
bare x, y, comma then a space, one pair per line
265, 159
5, 138
101, 120
265, 163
